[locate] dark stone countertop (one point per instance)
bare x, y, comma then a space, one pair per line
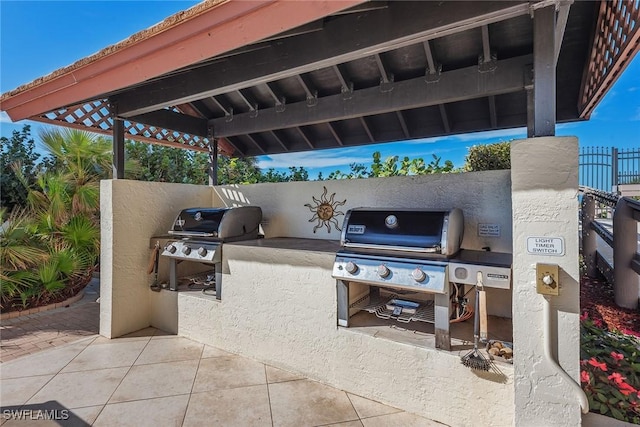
465, 256
291, 243
495, 259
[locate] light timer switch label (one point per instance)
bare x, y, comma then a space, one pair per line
553, 246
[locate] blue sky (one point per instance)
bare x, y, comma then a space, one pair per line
38, 37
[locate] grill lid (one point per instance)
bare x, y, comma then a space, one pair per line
415, 230
238, 223
198, 221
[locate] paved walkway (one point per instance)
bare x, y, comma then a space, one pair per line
152, 379
25, 335
55, 367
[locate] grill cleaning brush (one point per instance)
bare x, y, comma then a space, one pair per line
475, 359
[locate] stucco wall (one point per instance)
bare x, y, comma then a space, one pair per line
290, 321
131, 212
279, 307
544, 178
484, 197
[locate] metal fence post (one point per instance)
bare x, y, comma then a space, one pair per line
589, 243
625, 243
614, 168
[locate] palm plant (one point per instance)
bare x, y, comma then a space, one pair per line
20, 254
83, 154
55, 244
66, 202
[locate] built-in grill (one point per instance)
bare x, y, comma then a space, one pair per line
398, 250
197, 235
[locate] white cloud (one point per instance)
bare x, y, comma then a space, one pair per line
4, 117
500, 134
425, 140
314, 159
440, 146
570, 125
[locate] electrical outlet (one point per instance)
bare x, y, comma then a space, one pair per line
548, 279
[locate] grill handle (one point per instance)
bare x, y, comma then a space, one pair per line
153, 261
434, 250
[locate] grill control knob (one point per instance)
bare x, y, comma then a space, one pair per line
186, 250
351, 267
171, 249
202, 251
383, 271
418, 275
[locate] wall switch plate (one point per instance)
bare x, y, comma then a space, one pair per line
547, 279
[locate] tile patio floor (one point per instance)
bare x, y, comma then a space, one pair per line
152, 379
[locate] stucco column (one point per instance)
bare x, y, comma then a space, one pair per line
544, 176
131, 212
124, 302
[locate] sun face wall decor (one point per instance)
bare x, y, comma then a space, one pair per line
324, 211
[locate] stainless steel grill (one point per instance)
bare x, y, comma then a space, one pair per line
197, 235
401, 264
399, 250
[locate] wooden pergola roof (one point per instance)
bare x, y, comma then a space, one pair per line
268, 77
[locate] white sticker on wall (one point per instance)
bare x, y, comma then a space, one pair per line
545, 246
489, 230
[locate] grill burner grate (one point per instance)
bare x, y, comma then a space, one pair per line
205, 279
378, 306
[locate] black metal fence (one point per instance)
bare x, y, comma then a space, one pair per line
605, 167
629, 166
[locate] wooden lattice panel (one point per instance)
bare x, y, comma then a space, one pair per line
616, 40
94, 116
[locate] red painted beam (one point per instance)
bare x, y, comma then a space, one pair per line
219, 29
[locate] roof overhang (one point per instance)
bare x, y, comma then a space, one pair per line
266, 77
209, 29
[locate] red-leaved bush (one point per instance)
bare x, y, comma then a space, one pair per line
610, 371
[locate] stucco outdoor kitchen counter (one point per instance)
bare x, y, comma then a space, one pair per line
279, 307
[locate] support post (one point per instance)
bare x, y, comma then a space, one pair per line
589, 239
625, 245
343, 302
218, 282
213, 159
530, 114
173, 274
442, 315
544, 203
528, 74
544, 71
118, 143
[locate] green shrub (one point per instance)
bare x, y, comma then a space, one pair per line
50, 248
488, 157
